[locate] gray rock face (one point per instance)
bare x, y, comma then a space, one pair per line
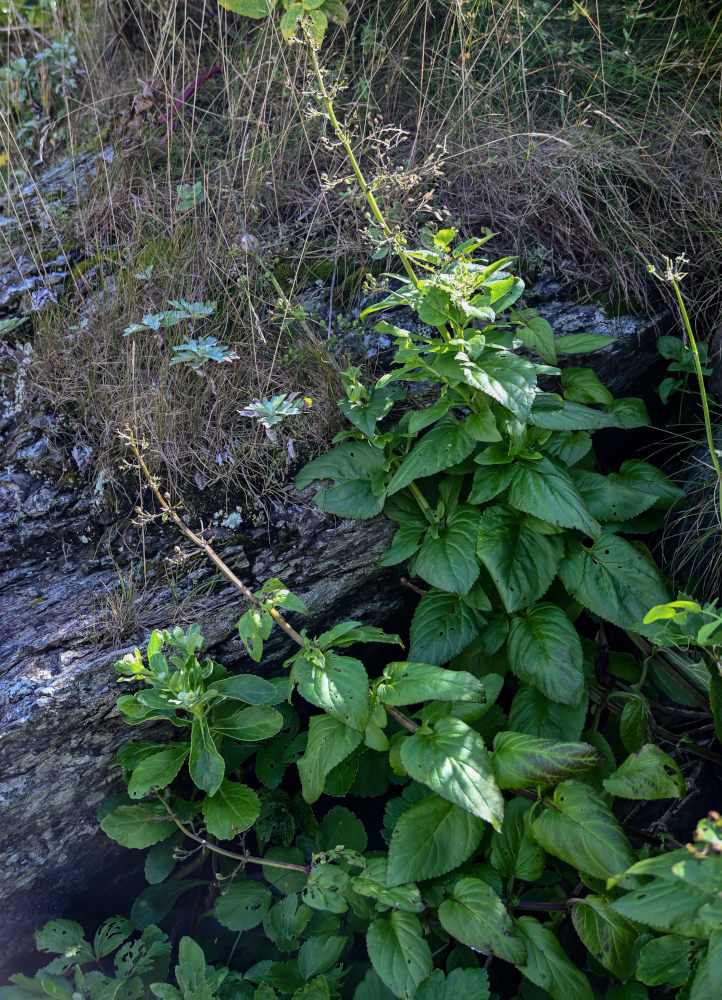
59, 728
631, 366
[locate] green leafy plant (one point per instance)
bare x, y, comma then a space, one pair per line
271, 411
179, 312
119, 962
490, 796
195, 352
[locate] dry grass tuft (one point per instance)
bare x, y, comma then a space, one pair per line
588, 136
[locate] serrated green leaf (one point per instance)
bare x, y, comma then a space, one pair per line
329, 742
523, 761
582, 385
459, 984
545, 651
138, 826
507, 378
341, 827
231, 810
157, 770
666, 960
399, 952
606, 935
612, 579
555, 414
319, 954
534, 714
489, 482
454, 763
514, 852
666, 904
476, 916
407, 683
66, 939
648, 773
582, 830
366, 413
446, 444
547, 491
522, 563
446, 558
339, 686
538, 336
431, 838
547, 965
355, 469
442, 627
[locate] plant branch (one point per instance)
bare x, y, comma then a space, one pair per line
243, 858
203, 544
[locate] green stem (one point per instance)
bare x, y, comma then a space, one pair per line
344, 140
422, 502
703, 394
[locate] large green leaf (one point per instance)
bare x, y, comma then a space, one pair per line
431, 838
447, 557
548, 966
365, 413
407, 683
243, 905
454, 763
318, 954
489, 481
664, 960
206, 765
399, 952
507, 378
534, 714
231, 810
547, 491
476, 916
139, 825
581, 829
613, 497
446, 444
523, 761
357, 470
246, 687
514, 852
329, 742
648, 773
337, 684
442, 627
545, 651
256, 722
522, 563
666, 904
583, 385
157, 770
554, 414
606, 935
613, 579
